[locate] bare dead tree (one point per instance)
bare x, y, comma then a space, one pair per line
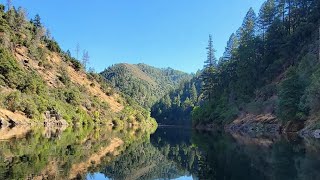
77, 50
9, 4
85, 58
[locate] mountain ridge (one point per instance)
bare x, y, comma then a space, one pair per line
144, 83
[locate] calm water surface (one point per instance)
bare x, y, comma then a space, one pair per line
170, 153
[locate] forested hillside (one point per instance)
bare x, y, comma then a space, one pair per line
37, 76
145, 84
270, 67
175, 107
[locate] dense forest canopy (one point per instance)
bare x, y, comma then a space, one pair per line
144, 83
270, 65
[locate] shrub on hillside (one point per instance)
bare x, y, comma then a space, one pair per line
313, 92
64, 77
290, 93
72, 96
10, 72
53, 46
13, 101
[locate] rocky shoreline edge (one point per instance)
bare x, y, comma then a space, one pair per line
265, 125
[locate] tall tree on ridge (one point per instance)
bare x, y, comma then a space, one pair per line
266, 16
85, 58
281, 9
37, 21
249, 27
209, 71
232, 45
211, 59
247, 56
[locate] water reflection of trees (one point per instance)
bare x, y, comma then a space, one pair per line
228, 158
37, 156
157, 158
213, 155
142, 161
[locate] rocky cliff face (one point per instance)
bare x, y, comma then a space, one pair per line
255, 125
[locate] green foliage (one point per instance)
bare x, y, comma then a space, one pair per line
314, 89
30, 155
10, 72
255, 60
12, 101
162, 158
64, 77
75, 63
53, 46
175, 107
24, 89
290, 93
145, 84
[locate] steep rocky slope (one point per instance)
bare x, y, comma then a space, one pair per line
39, 82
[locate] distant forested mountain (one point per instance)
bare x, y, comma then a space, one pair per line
144, 83
175, 107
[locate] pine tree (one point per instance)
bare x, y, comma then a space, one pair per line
68, 53
37, 21
211, 59
247, 56
209, 71
266, 16
232, 45
248, 28
193, 93
280, 9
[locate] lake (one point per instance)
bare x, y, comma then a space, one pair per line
170, 153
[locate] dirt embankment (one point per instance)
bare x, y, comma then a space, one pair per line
15, 132
11, 119
77, 77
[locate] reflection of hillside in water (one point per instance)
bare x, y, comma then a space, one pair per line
244, 157
59, 153
156, 158
52, 153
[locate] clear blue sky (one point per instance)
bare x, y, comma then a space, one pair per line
162, 33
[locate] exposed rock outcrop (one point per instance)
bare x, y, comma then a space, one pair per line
54, 119
266, 124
